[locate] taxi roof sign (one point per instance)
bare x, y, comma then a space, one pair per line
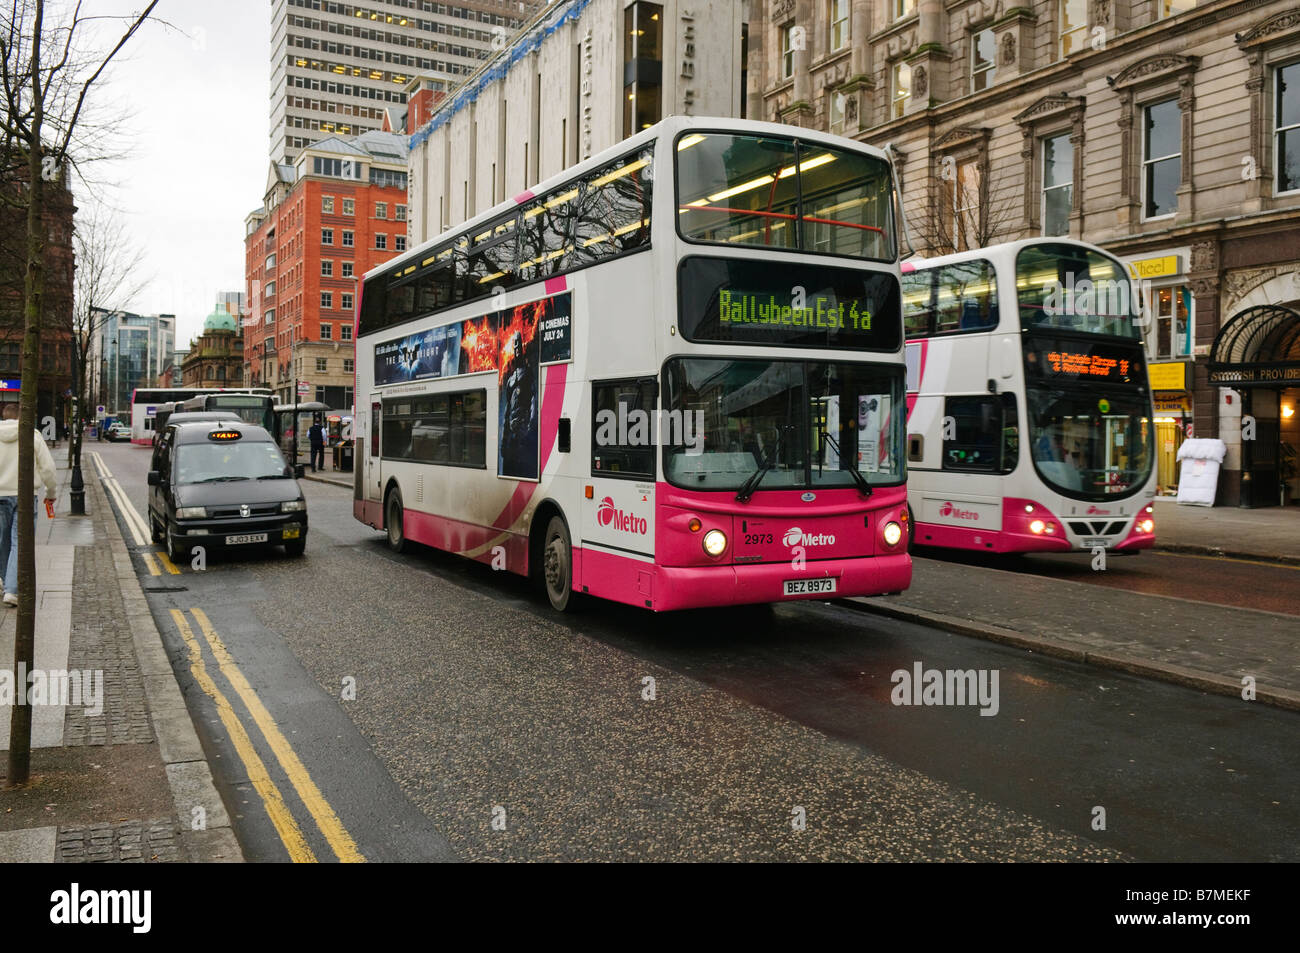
224, 435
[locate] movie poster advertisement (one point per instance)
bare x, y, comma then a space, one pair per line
519, 390
514, 343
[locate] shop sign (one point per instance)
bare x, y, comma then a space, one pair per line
1172, 403
1163, 267
1171, 375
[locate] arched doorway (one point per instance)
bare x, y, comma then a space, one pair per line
1257, 351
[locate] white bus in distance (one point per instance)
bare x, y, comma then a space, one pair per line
1029, 425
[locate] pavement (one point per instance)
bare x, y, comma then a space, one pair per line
117, 773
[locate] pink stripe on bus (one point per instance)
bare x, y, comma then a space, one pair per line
555, 285
524, 196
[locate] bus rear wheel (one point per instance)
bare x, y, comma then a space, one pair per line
557, 565
393, 523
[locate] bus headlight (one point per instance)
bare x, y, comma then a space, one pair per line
191, 512
1037, 526
1147, 526
893, 533
715, 542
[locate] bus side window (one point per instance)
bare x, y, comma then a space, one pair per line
622, 428
985, 434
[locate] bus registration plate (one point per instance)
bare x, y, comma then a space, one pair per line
1092, 542
246, 538
802, 587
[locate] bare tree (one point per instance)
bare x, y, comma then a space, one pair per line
46, 75
109, 274
961, 208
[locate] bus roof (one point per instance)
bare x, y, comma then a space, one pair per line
665, 127
1011, 249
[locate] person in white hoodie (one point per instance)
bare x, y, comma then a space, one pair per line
9, 499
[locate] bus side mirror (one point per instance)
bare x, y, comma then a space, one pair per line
298, 470
154, 478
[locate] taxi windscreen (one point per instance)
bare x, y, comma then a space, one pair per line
220, 461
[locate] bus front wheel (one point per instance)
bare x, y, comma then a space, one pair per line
557, 565
394, 524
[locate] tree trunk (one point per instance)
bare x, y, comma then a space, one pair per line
20, 723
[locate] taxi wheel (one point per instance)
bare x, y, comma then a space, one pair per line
296, 547
557, 565
176, 551
154, 533
393, 523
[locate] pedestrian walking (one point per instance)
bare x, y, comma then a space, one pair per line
9, 495
316, 434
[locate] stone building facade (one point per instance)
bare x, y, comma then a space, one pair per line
1167, 131
216, 357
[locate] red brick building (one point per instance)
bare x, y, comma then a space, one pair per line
54, 379
337, 212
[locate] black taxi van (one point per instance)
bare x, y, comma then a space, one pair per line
223, 484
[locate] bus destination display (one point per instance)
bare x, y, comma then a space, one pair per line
1110, 362
736, 301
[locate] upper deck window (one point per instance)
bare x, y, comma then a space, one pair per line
783, 193
1072, 288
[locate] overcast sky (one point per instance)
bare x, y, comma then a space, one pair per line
198, 139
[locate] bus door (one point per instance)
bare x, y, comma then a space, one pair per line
374, 471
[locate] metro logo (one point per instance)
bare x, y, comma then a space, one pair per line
608, 514
795, 536
1096, 511
957, 513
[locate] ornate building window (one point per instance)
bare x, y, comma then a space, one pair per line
1286, 125
983, 60
1058, 184
1052, 152
1157, 106
900, 87
839, 19
1161, 159
1272, 50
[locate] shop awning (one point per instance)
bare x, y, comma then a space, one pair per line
1258, 347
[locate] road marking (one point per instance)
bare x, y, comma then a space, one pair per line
291, 836
168, 564
1231, 559
134, 522
331, 827
153, 566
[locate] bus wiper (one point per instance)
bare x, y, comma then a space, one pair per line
750, 485
865, 488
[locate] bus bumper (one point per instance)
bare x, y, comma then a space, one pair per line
696, 587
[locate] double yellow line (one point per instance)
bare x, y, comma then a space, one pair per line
331, 828
154, 560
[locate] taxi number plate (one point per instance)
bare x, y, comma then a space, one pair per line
1091, 541
246, 538
801, 587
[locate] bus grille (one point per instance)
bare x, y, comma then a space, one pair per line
1097, 527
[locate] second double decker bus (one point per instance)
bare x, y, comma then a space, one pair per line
1029, 413
671, 376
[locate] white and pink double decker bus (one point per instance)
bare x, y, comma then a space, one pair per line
671, 376
1029, 409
